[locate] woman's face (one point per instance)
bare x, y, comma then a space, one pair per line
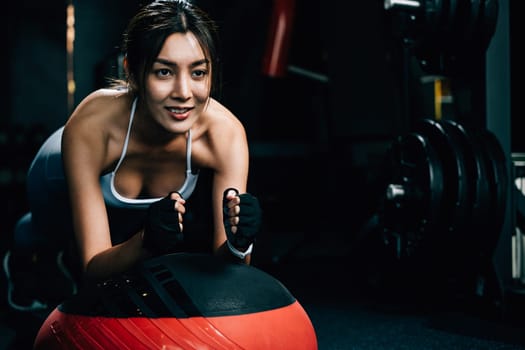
178, 85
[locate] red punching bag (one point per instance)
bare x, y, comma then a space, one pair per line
279, 37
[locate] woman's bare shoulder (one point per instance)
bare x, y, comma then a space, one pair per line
98, 125
100, 107
103, 100
221, 120
102, 114
217, 134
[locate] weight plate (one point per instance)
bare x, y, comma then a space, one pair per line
498, 180
475, 175
454, 199
415, 189
460, 21
465, 166
472, 20
486, 24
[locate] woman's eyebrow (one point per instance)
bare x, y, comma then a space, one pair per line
173, 64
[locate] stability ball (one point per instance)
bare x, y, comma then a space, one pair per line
181, 301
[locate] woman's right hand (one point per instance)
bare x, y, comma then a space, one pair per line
163, 226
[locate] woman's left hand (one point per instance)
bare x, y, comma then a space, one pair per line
242, 219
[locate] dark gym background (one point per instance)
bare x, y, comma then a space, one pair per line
317, 144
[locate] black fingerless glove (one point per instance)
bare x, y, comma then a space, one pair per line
162, 233
250, 218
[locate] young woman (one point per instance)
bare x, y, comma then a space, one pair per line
117, 176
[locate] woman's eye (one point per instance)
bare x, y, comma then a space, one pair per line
199, 73
163, 72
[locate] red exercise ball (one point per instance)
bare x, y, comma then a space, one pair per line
181, 301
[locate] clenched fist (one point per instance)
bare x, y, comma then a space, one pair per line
242, 220
163, 225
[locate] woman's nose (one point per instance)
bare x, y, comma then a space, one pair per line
182, 87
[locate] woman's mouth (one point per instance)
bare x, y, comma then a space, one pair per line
179, 113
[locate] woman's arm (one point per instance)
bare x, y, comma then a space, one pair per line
85, 146
231, 163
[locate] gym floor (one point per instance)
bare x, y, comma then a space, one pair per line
346, 312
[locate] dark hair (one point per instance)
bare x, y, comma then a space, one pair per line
149, 28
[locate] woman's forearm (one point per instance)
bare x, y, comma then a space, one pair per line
116, 259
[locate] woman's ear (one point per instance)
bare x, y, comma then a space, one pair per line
128, 76
125, 66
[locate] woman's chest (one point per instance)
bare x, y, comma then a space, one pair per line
150, 175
